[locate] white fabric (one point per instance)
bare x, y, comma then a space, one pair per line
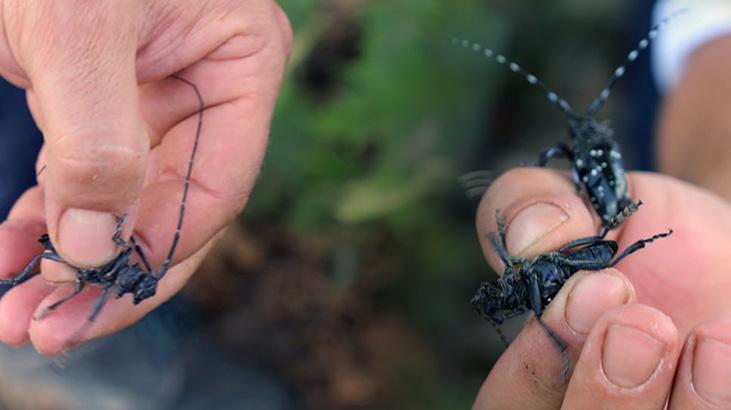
704, 21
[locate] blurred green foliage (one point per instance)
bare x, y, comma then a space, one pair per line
378, 115
377, 145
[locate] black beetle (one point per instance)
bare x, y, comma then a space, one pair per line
532, 284
595, 155
121, 275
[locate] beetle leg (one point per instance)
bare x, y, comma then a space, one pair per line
77, 337
628, 210
99, 304
557, 151
589, 240
498, 242
537, 307
536, 302
50, 308
28, 271
141, 254
117, 237
577, 179
514, 313
565, 355
639, 245
500, 333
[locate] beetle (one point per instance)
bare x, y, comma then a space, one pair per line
121, 275
596, 158
532, 284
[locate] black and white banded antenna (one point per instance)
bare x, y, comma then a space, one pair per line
631, 57
554, 98
186, 181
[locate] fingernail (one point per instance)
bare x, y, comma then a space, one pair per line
630, 356
712, 370
86, 237
593, 295
532, 224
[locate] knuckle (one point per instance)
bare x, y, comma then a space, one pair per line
267, 26
96, 168
285, 28
55, 34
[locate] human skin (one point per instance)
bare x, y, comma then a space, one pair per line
677, 287
625, 328
695, 129
118, 133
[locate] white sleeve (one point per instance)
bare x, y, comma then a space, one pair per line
704, 21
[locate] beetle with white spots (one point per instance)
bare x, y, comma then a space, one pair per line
597, 165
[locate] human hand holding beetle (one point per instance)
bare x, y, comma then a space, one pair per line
118, 132
659, 325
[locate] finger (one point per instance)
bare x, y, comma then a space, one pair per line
84, 88
20, 232
17, 307
19, 236
541, 209
628, 361
239, 95
666, 275
529, 374
704, 371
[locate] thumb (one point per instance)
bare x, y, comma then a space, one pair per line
541, 209
81, 68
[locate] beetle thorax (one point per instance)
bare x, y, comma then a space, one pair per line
590, 131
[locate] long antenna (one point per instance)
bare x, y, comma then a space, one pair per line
186, 182
555, 100
631, 57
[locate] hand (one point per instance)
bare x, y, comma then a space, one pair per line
118, 134
652, 328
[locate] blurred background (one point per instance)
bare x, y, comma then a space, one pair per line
346, 284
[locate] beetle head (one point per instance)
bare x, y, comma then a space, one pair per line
145, 289
488, 300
